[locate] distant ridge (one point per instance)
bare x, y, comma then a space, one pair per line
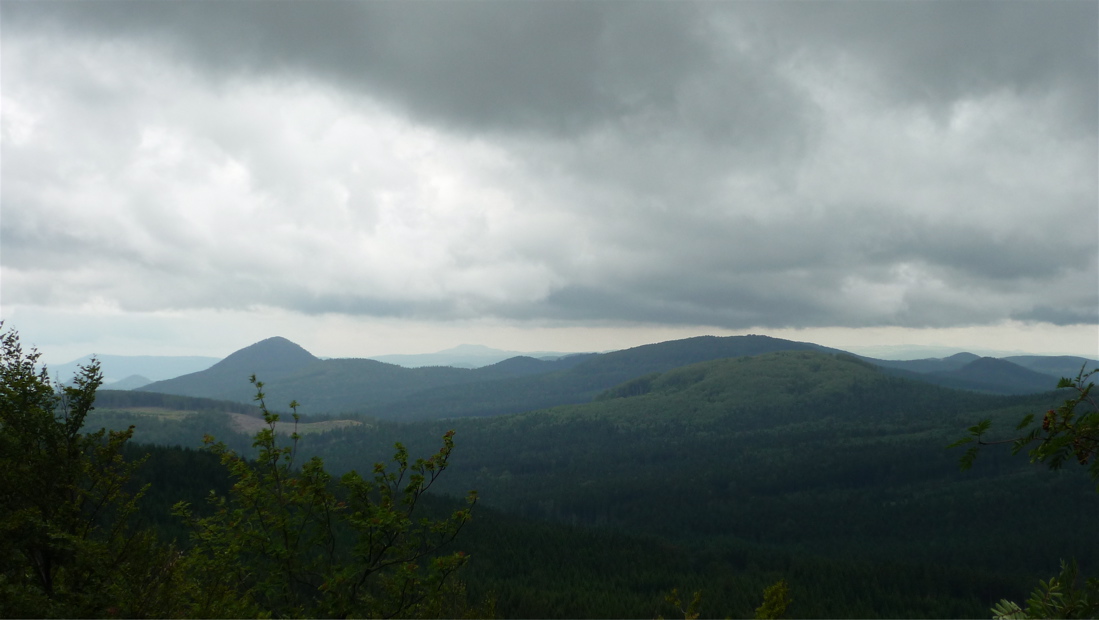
930, 364
273, 356
523, 383
464, 356
268, 359
1054, 365
582, 382
122, 367
995, 375
132, 382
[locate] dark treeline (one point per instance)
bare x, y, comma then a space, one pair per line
721, 477
129, 399
537, 568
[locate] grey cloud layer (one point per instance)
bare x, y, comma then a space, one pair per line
731, 164
568, 64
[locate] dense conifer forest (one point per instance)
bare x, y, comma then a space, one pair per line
721, 477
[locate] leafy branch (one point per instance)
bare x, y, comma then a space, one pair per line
296, 541
1069, 432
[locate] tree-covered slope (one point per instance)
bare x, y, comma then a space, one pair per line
289, 373
136, 399
995, 375
926, 365
818, 468
1054, 365
270, 359
801, 450
387, 391
542, 569
580, 383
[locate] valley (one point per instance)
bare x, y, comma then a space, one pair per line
714, 464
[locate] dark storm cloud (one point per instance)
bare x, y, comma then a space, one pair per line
552, 66
733, 164
565, 65
939, 52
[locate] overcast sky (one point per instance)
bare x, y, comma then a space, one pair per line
380, 177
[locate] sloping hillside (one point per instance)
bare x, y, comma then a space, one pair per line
289, 373
269, 359
965, 371
582, 382
996, 376
1056, 366
926, 365
518, 384
390, 391
800, 450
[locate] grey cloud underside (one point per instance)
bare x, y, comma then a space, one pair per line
938, 52
546, 66
566, 66
637, 121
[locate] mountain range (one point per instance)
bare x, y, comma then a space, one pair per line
770, 446
464, 356
125, 372
737, 453
523, 383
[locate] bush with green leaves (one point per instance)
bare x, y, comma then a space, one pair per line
285, 542
299, 544
1069, 432
68, 547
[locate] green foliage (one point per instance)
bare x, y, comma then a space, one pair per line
294, 543
776, 599
1071, 431
129, 399
1059, 597
691, 610
833, 465
67, 544
283, 541
636, 387
1007, 610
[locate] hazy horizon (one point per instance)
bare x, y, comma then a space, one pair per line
885, 352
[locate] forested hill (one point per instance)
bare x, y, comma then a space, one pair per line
578, 384
802, 451
289, 372
130, 399
270, 359
1011, 375
813, 464
387, 391
994, 375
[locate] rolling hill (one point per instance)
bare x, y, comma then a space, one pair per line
815, 463
388, 391
289, 372
580, 383
810, 452
989, 374
270, 359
